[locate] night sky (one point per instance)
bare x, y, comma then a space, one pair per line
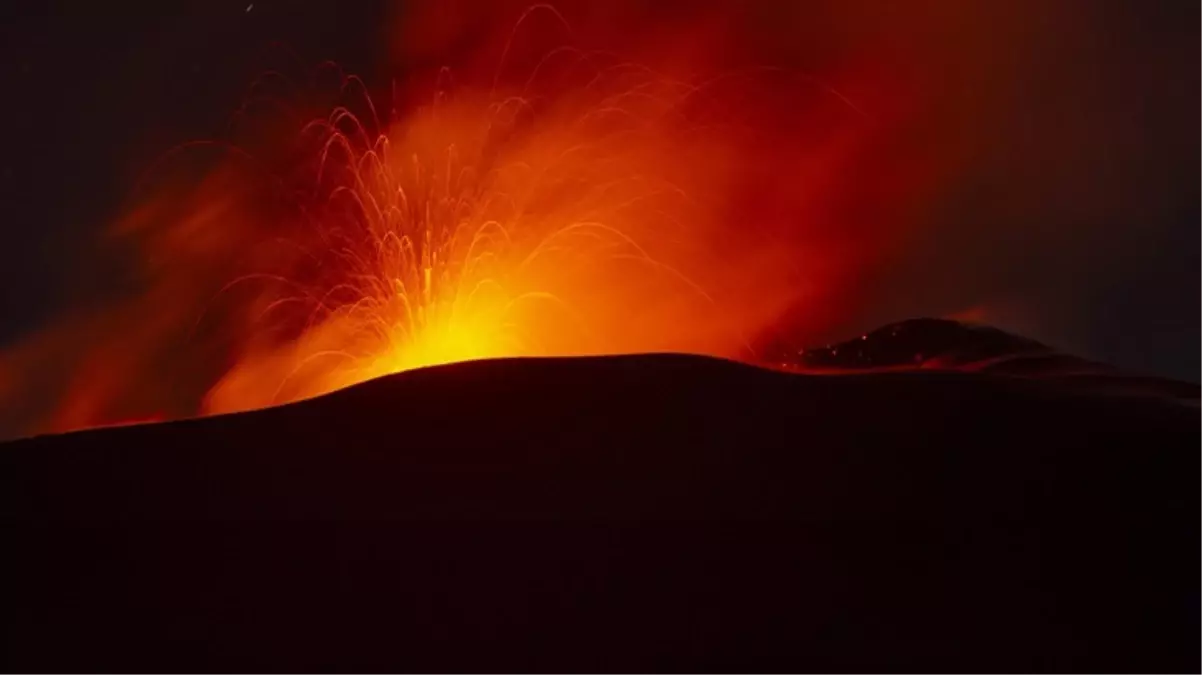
1073, 214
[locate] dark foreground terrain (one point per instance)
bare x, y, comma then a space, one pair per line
626, 513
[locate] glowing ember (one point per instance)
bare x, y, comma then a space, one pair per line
480, 228
581, 208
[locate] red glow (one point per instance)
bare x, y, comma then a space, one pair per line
559, 190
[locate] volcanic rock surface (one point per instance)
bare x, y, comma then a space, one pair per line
944, 344
657, 512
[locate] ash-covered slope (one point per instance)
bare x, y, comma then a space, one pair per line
644, 512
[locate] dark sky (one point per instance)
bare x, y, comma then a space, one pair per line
1094, 241
97, 91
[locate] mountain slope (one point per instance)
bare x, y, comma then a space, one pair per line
644, 512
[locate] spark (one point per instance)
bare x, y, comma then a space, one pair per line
574, 204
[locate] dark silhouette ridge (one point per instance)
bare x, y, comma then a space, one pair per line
945, 344
657, 512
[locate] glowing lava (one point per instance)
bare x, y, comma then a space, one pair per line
588, 206
466, 231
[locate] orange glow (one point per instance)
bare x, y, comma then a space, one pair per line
480, 227
569, 202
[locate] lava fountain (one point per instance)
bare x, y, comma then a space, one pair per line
482, 227
588, 205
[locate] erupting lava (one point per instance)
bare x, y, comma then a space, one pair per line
467, 231
589, 205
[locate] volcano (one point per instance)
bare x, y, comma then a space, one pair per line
954, 498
